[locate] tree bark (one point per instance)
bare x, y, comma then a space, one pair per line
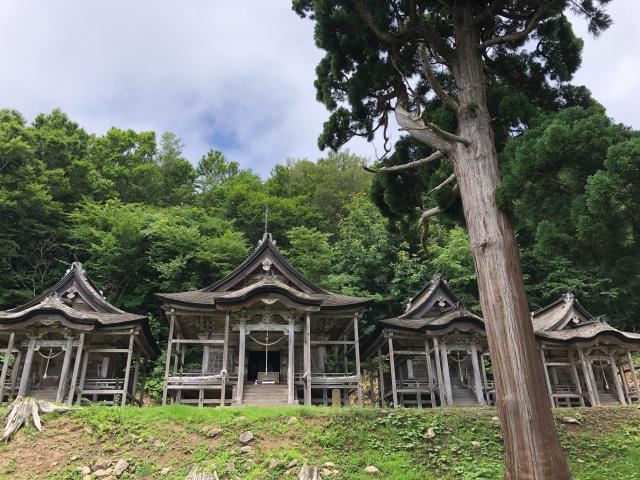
532, 446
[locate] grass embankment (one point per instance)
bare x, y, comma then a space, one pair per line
605, 445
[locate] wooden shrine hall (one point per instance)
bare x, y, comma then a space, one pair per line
587, 361
264, 334
69, 344
433, 354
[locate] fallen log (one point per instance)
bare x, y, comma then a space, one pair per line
24, 408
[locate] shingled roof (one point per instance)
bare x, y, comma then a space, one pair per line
265, 272
76, 299
565, 321
435, 307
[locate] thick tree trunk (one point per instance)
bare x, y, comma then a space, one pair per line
532, 446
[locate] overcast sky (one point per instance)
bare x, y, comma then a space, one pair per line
231, 75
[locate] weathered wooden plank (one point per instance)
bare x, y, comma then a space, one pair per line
436, 348
241, 354
83, 375
587, 378
225, 354
76, 369
172, 321
5, 364
356, 340
634, 375
616, 381
392, 365
477, 381
307, 359
380, 378
127, 371
546, 376
291, 364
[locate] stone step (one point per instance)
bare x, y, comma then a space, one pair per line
276, 394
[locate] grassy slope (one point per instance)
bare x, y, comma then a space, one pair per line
606, 444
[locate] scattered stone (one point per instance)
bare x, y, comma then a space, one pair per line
495, 419
86, 477
85, 470
165, 471
247, 449
230, 466
291, 471
54, 464
121, 467
273, 464
431, 433
580, 460
103, 473
240, 418
372, 470
292, 463
110, 477
246, 437
73, 458
139, 441
215, 432
569, 420
158, 444
326, 472
292, 420
88, 430
475, 444
102, 464
211, 449
329, 464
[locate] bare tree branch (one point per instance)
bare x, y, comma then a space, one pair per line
432, 212
447, 101
407, 166
426, 132
520, 35
446, 182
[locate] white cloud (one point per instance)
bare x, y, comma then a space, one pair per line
220, 74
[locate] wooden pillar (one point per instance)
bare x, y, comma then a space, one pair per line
76, 369
356, 347
167, 367
241, 354
392, 365
26, 370
432, 394
485, 381
127, 371
204, 369
136, 374
225, 355
66, 363
446, 376
83, 375
634, 375
307, 359
5, 364
546, 376
380, 378
616, 379
436, 354
588, 379
625, 385
576, 378
14, 372
477, 381
143, 382
291, 363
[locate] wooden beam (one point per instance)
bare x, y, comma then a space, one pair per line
127, 372
14, 372
66, 363
546, 376
587, 378
634, 375
392, 365
291, 364
241, 354
356, 341
485, 381
307, 359
225, 354
144, 381
333, 342
167, 367
443, 395
204, 369
477, 380
446, 376
136, 374
576, 377
616, 381
197, 341
83, 375
5, 364
429, 372
76, 369
24, 380
380, 378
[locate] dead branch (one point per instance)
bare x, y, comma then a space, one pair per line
447, 101
446, 182
407, 166
423, 222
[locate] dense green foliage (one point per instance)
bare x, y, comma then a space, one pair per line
144, 220
467, 445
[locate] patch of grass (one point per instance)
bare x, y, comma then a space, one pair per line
467, 444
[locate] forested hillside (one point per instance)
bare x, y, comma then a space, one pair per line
143, 218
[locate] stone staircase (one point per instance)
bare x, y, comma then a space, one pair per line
265, 394
45, 393
607, 398
464, 397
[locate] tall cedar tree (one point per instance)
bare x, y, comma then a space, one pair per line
395, 56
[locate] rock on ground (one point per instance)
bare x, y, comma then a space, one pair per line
372, 470
246, 437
